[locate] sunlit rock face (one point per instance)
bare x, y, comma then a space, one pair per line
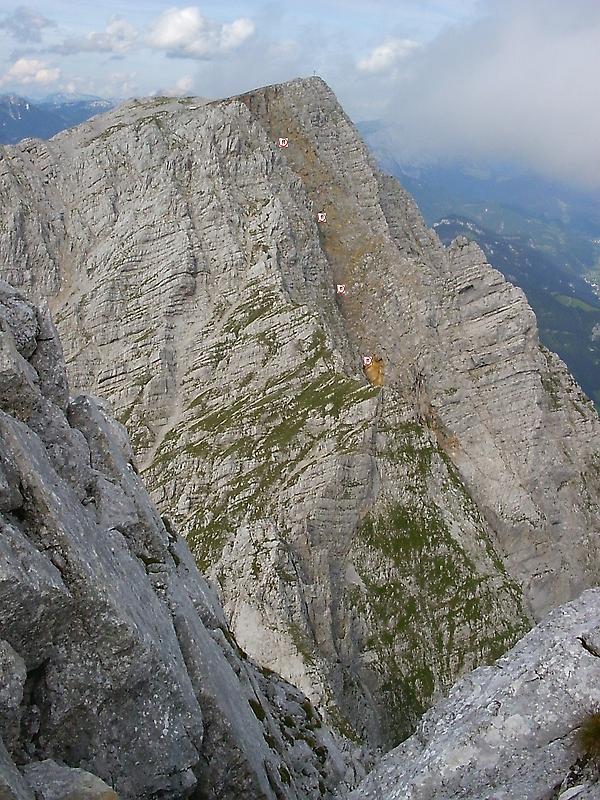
369, 542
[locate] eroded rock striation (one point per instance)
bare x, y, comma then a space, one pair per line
509, 730
118, 670
368, 543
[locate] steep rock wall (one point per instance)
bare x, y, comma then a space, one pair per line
370, 544
115, 655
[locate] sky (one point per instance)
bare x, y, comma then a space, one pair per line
505, 80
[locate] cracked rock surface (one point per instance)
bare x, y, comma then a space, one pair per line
115, 655
369, 544
52, 781
509, 730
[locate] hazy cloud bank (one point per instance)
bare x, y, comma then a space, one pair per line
521, 82
179, 32
25, 25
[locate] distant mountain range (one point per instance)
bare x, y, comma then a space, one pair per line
542, 235
21, 118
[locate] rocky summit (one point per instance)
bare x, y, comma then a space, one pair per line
383, 474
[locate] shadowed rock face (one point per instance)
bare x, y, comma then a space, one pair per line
510, 730
370, 544
115, 655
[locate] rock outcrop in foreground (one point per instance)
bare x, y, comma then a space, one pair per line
510, 730
369, 543
115, 656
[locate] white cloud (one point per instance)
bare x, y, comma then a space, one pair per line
119, 37
184, 84
387, 55
25, 25
182, 32
112, 85
235, 33
27, 71
186, 33
181, 88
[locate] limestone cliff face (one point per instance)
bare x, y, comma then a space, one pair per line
510, 730
115, 656
370, 544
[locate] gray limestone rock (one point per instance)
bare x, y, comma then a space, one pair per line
509, 730
368, 544
116, 657
12, 681
52, 781
12, 783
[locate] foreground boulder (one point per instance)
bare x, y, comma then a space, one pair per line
115, 655
52, 781
510, 730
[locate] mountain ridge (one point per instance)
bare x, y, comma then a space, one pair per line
567, 307
537, 232
346, 526
512, 729
87, 682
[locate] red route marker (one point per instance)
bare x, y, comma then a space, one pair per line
283, 142
367, 361
340, 288
322, 216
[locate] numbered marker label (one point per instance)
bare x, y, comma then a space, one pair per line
340, 288
367, 361
322, 216
282, 142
